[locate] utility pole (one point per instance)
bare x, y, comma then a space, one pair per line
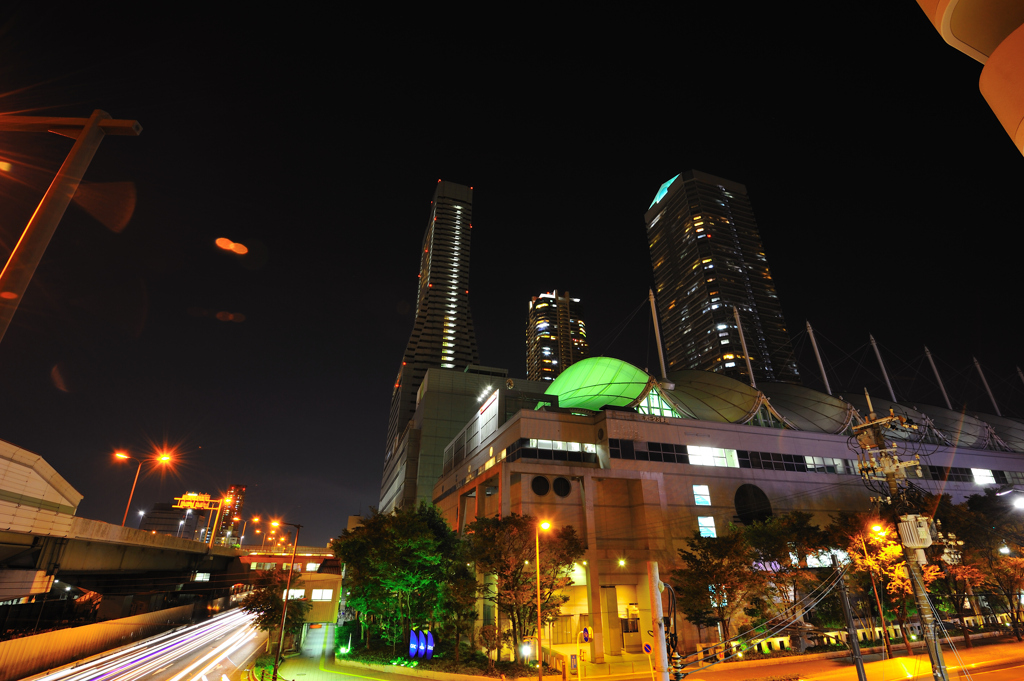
879, 461
851, 630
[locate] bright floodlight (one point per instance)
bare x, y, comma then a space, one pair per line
545, 525
1004, 549
121, 455
1019, 502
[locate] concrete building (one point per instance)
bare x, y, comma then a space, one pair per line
231, 518
708, 260
556, 335
177, 522
442, 334
639, 465
445, 401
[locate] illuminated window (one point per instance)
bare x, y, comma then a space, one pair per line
312, 567
701, 495
202, 577
706, 526
295, 594
983, 476
322, 594
712, 456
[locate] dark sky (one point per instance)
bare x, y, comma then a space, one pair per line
887, 194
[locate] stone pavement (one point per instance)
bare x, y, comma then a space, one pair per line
316, 663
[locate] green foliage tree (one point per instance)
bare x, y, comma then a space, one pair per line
996, 527
504, 547
266, 601
716, 577
398, 567
781, 546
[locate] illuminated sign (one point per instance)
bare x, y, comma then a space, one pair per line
198, 501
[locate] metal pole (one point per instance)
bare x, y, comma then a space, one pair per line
851, 630
284, 610
987, 389
133, 484
540, 647
659, 656
928, 354
924, 609
27, 253
817, 355
657, 334
885, 374
878, 601
743, 344
216, 522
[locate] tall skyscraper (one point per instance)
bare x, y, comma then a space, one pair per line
442, 333
708, 260
234, 502
556, 335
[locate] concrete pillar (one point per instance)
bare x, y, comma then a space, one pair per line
594, 607
610, 621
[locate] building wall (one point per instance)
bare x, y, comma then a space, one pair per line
631, 511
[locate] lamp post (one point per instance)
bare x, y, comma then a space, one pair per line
880, 534
287, 588
163, 457
542, 525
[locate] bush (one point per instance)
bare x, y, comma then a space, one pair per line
263, 663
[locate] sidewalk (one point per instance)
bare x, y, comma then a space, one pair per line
316, 663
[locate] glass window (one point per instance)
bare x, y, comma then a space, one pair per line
573, 446
322, 594
983, 476
296, 594
701, 495
312, 567
203, 577
706, 526
592, 449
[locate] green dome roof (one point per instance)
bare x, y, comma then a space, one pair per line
596, 382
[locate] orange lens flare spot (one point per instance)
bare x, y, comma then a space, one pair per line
226, 244
240, 249
5, 166
8, 295
121, 455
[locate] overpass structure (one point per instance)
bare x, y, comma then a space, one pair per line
41, 539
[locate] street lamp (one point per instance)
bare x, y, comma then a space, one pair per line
163, 457
287, 588
542, 525
879, 533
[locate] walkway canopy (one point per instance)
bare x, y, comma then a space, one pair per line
714, 397
598, 382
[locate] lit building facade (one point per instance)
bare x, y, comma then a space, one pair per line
176, 522
556, 335
442, 333
230, 528
638, 466
708, 260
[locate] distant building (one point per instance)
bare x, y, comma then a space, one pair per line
708, 260
177, 522
231, 519
556, 335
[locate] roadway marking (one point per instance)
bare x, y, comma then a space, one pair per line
993, 671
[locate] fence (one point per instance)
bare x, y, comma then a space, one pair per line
22, 657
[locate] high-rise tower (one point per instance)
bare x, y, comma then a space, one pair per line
442, 333
708, 260
556, 335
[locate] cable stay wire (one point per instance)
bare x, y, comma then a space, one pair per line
618, 329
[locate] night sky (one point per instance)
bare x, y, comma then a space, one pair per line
887, 194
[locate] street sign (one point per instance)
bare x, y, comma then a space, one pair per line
647, 648
586, 635
197, 501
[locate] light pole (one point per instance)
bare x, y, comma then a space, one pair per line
542, 525
880, 534
163, 457
287, 588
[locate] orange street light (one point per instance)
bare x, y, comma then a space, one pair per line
542, 525
164, 457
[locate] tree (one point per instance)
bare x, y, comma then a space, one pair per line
266, 601
504, 547
716, 578
398, 566
490, 640
996, 531
781, 546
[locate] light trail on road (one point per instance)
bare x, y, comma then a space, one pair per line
200, 647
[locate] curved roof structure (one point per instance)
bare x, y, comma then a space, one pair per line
961, 429
1010, 431
596, 382
809, 409
714, 397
